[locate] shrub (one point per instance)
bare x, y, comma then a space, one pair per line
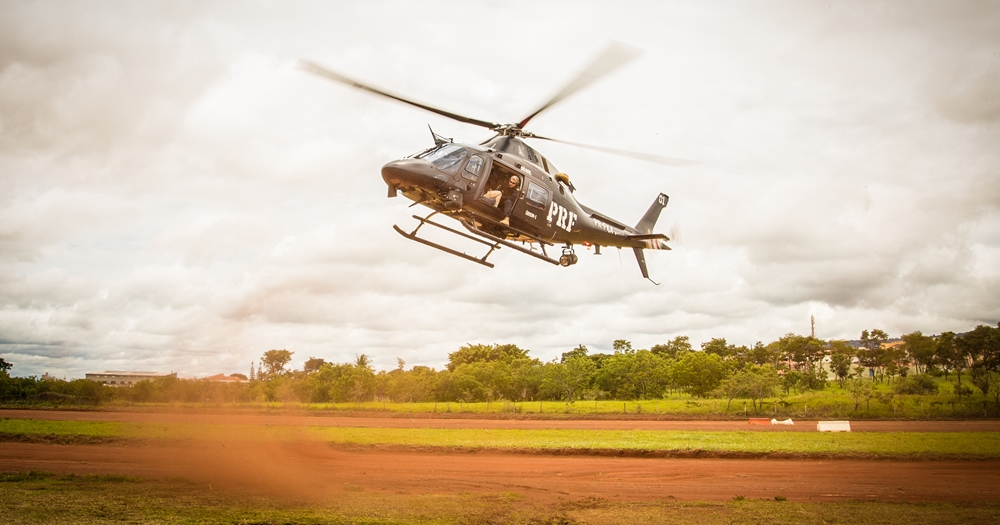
918, 384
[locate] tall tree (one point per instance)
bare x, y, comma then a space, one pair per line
755, 382
470, 353
872, 352
621, 346
947, 356
841, 358
579, 351
273, 362
921, 348
313, 364
568, 380
762, 354
677, 346
699, 373
719, 347
981, 350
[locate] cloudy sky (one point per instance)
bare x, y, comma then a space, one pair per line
176, 196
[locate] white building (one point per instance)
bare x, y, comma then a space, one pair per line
122, 378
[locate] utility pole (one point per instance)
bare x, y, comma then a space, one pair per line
812, 326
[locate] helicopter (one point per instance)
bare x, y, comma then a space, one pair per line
504, 193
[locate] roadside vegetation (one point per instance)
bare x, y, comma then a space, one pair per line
945, 376
883, 445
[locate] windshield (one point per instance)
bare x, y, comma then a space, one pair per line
446, 157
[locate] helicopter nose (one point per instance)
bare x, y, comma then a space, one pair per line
410, 173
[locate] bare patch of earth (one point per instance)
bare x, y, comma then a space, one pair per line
309, 470
300, 419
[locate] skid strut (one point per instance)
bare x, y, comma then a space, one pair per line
427, 220
486, 239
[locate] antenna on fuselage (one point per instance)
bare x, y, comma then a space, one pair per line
438, 139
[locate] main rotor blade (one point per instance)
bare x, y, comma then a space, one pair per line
613, 56
670, 161
323, 72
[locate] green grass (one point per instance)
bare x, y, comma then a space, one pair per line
854, 444
63, 428
886, 444
40, 498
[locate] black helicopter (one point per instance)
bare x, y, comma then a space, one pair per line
505, 193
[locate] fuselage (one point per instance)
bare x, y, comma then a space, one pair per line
457, 179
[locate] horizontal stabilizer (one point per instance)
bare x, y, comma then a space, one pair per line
648, 237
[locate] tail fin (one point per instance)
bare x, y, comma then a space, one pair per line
645, 228
641, 258
648, 220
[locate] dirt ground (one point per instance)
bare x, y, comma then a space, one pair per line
300, 419
316, 471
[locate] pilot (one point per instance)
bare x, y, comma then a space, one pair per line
509, 197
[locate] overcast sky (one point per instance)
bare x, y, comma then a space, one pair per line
176, 196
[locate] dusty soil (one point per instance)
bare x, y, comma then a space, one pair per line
299, 419
315, 471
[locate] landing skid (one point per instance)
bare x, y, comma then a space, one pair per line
494, 242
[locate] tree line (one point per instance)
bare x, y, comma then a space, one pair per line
495, 372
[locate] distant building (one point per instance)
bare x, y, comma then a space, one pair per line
123, 378
223, 378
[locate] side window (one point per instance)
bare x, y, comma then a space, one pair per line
537, 196
473, 168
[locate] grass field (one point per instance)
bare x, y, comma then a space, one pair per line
855, 444
35, 498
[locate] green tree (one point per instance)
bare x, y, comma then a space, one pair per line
981, 350
312, 364
568, 380
4, 365
947, 356
362, 379
755, 382
921, 348
841, 357
273, 362
579, 351
761, 354
860, 390
494, 376
719, 347
699, 373
872, 353
677, 346
460, 386
470, 353
621, 346
802, 351
526, 378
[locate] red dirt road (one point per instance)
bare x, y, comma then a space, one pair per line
299, 419
317, 471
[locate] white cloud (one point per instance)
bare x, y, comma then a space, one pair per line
176, 195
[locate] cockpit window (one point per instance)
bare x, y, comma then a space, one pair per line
446, 157
473, 167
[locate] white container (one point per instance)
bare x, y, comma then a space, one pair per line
834, 426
